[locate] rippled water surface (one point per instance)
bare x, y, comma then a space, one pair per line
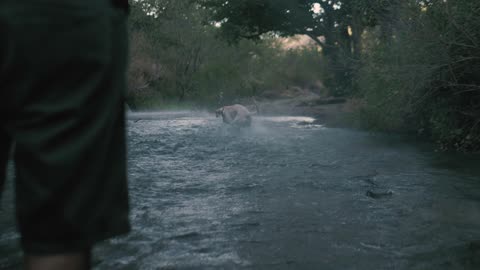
285, 194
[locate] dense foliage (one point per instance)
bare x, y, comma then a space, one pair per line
415, 65
425, 77
176, 58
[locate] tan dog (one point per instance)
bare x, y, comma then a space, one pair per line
236, 115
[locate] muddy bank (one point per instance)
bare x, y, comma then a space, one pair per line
331, 111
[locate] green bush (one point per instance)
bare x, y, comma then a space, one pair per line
426, 76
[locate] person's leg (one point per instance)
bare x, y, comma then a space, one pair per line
5, 140
75, 261
68, 125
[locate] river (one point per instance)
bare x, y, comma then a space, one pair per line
285, 194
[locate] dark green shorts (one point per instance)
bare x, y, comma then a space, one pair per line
62, 86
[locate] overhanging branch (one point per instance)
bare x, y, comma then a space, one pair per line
317, 40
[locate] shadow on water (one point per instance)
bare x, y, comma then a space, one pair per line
287, 194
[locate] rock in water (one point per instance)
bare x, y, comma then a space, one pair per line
379, 194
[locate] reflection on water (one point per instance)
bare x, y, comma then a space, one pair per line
297, 119
285, 194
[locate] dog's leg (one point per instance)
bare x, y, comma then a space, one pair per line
227, 118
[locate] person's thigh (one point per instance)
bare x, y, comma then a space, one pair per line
5, 145
67, 95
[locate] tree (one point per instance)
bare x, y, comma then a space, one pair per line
336, 26
177, 39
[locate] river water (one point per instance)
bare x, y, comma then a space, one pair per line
285, 194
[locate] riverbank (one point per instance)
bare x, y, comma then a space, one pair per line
331, 111
327, 111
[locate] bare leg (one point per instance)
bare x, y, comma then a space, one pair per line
75, 261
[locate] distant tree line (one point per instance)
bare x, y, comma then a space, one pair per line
178, 58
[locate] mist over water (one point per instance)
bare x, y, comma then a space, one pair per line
285, 194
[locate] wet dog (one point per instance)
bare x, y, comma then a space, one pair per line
237, 115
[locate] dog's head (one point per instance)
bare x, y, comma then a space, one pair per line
219, 112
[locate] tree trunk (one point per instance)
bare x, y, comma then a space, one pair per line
357, 31
317, 40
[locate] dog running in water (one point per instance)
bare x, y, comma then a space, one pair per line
237, 115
